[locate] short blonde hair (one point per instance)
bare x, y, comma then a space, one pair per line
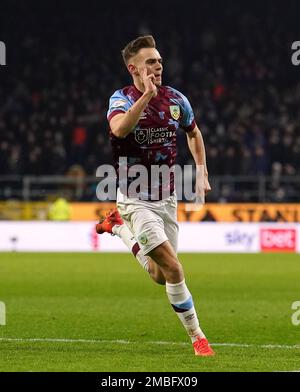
133, 47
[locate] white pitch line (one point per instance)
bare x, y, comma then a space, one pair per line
54, 340
289, 371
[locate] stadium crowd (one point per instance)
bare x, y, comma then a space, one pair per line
236, 72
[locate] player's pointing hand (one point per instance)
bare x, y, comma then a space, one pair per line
148, 82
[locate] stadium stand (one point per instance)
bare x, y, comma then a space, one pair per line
236, 72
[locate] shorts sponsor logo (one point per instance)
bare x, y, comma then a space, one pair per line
278, 240
143, 239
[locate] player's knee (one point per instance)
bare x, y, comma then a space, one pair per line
175, 269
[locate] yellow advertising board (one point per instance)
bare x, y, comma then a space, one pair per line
209, 213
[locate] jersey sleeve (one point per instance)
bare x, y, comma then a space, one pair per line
118, 103
187, 118
187, 122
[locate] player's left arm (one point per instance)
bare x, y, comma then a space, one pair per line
197, 148
195, 141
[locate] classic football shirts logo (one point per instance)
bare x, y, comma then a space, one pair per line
153, 135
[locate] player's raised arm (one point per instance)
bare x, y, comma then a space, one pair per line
123, 123
197, 148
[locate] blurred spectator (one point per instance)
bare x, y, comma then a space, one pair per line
78, 147
76, 187
60, 210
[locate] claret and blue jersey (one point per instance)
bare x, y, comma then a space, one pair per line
153, 140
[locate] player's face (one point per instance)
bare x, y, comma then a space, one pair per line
151, 59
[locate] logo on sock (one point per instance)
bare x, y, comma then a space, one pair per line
189, 317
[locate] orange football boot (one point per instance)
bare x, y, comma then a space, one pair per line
106, 224
202, 347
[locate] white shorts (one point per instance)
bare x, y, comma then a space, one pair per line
151, 222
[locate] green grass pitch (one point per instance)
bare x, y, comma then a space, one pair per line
101, 312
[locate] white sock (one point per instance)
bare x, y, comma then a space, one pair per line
127, 237
182, 302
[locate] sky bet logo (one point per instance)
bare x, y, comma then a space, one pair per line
2, 53
237, 237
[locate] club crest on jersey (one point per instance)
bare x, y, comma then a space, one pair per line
175, 111
141, 135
